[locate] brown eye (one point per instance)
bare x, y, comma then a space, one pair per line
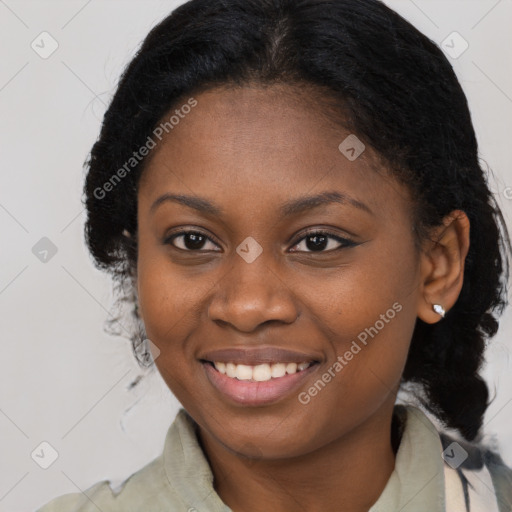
318, 241
190, 241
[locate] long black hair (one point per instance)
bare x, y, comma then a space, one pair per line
390, 85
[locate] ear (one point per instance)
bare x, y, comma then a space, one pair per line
442, 265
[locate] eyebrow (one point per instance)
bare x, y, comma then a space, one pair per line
292, 207
304, 203
198, 203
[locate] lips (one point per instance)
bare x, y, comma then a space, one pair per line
253, 356
263, 390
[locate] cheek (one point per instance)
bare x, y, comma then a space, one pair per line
160, 301
368, 314
154, 291
167, 310
367, 357
171, 300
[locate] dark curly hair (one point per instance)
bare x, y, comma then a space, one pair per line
390, 85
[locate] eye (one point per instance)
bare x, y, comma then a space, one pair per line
190, 241
317, 241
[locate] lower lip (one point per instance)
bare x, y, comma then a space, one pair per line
256, 393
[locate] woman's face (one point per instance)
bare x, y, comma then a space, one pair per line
254, 276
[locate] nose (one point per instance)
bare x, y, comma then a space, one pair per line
252, 294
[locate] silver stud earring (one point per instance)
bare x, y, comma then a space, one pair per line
439, 309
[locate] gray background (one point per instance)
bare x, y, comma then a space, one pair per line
64, 380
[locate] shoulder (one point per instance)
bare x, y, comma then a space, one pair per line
96, 496
475, 476
502, 478
176, 477
148, 487
481, 471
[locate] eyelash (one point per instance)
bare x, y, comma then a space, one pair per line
346, 242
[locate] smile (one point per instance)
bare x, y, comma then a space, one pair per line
260, 372
258, 385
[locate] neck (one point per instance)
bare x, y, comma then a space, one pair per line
349, 473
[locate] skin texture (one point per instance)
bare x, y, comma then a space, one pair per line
249, 150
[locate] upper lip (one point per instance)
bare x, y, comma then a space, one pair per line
257, 355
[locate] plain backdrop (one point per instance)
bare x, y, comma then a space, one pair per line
63, 379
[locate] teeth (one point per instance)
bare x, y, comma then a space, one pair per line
260, 372
291, 368
278, 370
243, 372
230, 370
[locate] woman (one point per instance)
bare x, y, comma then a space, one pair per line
291, 192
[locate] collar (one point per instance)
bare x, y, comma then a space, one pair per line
415, 485
417, 482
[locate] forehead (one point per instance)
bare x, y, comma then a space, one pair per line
264, 145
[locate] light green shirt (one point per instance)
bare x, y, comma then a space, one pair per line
180, 479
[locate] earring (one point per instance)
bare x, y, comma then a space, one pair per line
439, 309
